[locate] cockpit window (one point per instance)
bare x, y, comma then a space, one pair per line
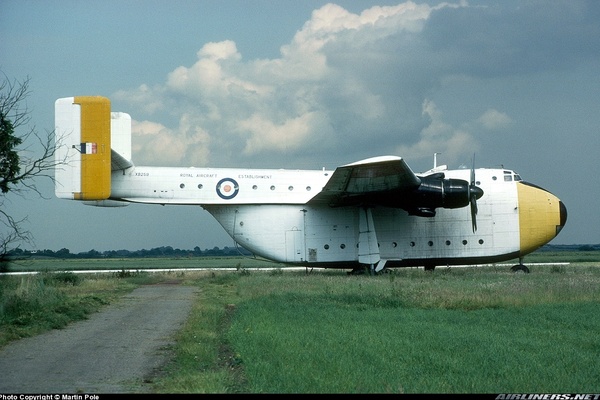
507, 176
518, 177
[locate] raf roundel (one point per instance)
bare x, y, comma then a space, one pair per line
227, 188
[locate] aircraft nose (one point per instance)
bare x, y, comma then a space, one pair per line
541, 216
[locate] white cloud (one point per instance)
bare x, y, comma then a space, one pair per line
440, 137
155, 144
145, 99
355, 85
214, 75
145, 128
309, 96
494, 119
265, 135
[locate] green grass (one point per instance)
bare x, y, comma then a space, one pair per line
456, 330
57, 264
289, 344
31, 304
468, 330
561, 256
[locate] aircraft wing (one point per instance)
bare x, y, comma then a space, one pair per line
370, 181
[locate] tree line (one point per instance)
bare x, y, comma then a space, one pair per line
168, 251
163, 251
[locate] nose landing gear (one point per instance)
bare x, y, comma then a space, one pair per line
520, 267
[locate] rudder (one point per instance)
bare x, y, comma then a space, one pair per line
83, 143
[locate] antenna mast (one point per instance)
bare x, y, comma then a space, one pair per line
435, 160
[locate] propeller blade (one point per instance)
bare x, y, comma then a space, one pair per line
474, 213
474, 193
473, 170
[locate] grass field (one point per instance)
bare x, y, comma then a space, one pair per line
57, 264
456, 330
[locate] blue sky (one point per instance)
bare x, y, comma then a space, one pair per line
312, 84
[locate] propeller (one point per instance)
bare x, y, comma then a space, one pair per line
475, 193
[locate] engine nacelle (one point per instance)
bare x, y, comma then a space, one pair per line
433, 192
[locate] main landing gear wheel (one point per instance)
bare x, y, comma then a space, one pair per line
362, 270
520, 268
368, 270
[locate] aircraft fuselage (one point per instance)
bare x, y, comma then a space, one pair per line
266, 212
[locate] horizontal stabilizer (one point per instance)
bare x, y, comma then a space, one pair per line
119, 162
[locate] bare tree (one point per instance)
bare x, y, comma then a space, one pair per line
21, 161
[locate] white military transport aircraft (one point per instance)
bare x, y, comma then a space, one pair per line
368, 215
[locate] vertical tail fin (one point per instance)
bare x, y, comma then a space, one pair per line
83, 153
120, 135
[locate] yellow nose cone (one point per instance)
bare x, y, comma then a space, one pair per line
541, 217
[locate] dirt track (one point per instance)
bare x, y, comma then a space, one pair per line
114, 351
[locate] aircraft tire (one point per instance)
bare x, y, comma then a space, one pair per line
520, 268
358, 271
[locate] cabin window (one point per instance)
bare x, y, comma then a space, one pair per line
290, 188
182, 185
200, 186
430, 243
464, 242
342, 246
412, 244
448, 243
326, 247
308, 188
273, 187
254, 187
480, 241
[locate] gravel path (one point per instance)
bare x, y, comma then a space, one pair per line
114, 351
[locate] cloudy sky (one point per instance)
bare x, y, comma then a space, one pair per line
311, 84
